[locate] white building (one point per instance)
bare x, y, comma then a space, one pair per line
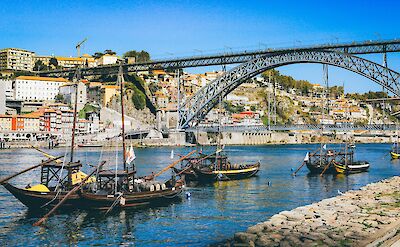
9, 92
107, 59
2, 98
33, 88
16, 59
68, 91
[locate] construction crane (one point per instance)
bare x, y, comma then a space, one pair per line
78, 46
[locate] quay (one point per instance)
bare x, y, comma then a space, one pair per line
366, 217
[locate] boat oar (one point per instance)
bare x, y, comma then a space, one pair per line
174, 164
76, 188
30, 168
326, 168
298, 169
46, 154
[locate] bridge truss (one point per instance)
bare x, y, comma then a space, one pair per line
206, 98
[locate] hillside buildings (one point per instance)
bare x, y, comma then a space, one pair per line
16, 59
68, 91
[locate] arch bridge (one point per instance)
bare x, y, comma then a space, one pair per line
196, 108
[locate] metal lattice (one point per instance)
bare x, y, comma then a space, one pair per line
367, 47
206, 98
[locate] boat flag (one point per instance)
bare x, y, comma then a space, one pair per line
307, 157
324, 146
172, 154
130, 155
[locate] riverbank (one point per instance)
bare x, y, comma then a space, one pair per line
366, 217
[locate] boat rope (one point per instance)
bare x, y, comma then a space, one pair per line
58, 182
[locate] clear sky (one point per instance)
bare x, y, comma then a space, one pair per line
181, 28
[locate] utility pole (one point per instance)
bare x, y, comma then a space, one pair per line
274, 100
269, 101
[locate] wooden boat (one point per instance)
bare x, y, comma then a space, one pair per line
320, 162
355, 167
89, 145
120, 188
224, 170
395, 155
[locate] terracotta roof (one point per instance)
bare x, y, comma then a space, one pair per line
38, 78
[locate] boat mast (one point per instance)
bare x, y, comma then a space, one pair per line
76, 79
325, 70
121, 82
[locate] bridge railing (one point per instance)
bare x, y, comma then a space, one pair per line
291, 127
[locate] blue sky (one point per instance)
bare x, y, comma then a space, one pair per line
181, 28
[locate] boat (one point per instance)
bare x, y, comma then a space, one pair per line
320, 161
89, 145
120, 188
354, 167
54, 182
221, 170
395, 155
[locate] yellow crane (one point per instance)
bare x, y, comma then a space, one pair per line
78, 46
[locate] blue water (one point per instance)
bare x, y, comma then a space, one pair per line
212, 213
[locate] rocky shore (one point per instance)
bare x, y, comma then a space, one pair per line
366, 217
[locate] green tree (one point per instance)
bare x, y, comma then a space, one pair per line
140, 57
138, 98
98, 55
53, 61
39, 66
109, 52
59, 98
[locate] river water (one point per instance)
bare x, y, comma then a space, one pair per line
212, 213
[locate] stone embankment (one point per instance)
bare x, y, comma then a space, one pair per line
366, 217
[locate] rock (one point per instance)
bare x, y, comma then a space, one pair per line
293, 215
265, 241
255, 229
246, 238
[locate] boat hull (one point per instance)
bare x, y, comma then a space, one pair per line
355, 167
208, 175
317, 169
42, 200
394, 155
130, 200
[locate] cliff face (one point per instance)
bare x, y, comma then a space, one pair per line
145, 116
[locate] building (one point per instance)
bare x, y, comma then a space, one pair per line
5, 122
33, 88
108, 91
9, 92
93, 90
69, 91
16, 59
68, 62
107, 59
2, 98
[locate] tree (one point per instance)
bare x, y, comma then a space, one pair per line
140, 57
138, 98
53, 61
110, 52
39, 66
98, 55
59, 98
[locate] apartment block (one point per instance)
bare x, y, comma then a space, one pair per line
16, 59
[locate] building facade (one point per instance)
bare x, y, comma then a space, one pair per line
33, 88
16, 59
69, 91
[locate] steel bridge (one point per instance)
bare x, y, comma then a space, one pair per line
251, 63
291, 127
355, 48
197, 107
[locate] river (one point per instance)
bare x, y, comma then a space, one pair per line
211, 214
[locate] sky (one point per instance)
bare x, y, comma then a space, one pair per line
183, 28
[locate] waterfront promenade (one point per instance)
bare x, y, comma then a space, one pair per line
366, 217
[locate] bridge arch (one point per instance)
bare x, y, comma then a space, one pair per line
197, 107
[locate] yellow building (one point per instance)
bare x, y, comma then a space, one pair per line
108, 91
68, 62
16, 59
